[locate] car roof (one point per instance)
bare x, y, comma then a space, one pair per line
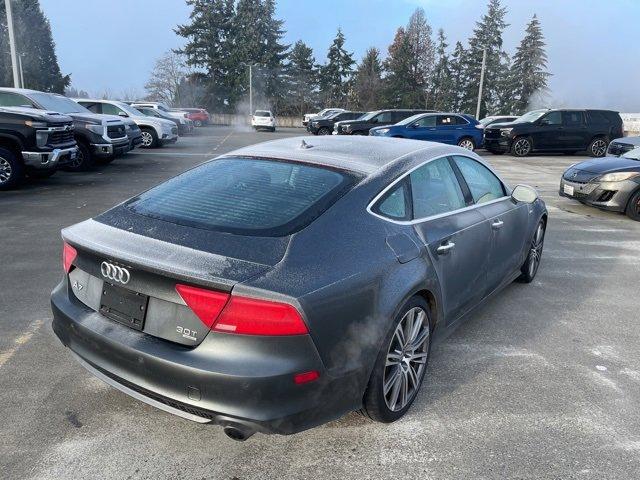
363, 154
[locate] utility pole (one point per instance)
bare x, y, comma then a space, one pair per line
250, 90
484, 65
21, 72
12, 44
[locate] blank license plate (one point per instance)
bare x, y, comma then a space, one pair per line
569, 190
124, 306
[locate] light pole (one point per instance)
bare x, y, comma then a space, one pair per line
250, 85
12, 44
21, 72
484, 64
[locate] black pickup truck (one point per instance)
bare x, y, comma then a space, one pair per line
99, 137
34, 143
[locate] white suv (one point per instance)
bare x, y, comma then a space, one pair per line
180, 115
155, 131
263, 119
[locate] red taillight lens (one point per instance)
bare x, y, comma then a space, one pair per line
250, 316
206, 304
69, 254
306, 377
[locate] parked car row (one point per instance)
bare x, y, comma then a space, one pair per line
42, 132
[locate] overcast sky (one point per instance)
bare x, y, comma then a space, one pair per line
593, 45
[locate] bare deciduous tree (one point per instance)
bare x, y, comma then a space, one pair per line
166, 77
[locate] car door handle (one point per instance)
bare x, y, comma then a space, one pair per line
497, 225
445, 248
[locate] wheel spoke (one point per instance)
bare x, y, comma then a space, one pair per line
393, 358
389, 384
404, 390
419, 357
420, 339
413, 376
395, 391
417, 326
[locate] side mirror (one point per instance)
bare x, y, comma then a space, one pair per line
415, 125
122, 114
524, 194
544, 121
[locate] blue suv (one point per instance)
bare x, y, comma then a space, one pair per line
451, 128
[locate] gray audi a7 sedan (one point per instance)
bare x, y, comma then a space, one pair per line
282, 285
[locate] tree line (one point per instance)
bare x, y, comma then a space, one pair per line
419, 70
34, 44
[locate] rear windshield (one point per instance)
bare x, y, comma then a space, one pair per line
246, 196
262, 113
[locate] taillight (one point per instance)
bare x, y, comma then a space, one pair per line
306, 377
206, 304
69, 254
250, 316
227, 313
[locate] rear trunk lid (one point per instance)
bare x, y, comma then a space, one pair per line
157, 256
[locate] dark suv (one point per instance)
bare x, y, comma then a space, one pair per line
567, 131
99, 137
33, 143
324, 125
362, 125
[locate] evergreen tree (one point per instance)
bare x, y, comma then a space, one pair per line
529, 70
440, 93
398, 65
302, 77
257, 41
210, 47
33, 40
487, 34
457, 79
368, 81
418, 35
335, 75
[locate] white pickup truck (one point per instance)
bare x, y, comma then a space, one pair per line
322, 113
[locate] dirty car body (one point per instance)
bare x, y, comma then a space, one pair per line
273, 323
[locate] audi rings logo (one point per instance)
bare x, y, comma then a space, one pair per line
115, 273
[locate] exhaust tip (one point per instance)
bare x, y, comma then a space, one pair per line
237, 434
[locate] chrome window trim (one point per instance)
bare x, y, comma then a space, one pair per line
440, 215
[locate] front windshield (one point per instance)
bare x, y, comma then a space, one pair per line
57, 103
411, 119
486, 121
632, 154
531, 116
129, 109
370, 115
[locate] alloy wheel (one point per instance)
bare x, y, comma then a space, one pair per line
535, 254
522, 147
406, 359
598, 148
5, 170
147, 139
466, 143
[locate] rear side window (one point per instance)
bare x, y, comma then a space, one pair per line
597, 117
394, 204
245, 196
435, 189
572, 119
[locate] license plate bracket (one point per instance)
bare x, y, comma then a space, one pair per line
123, 306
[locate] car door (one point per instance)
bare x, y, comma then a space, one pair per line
547, 132
10, 99
457, 238
423, 129
507, 220
574, 130
446, 126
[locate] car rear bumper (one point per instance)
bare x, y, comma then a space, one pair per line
612, 196
229, 380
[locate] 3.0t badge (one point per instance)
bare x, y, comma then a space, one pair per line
115, 273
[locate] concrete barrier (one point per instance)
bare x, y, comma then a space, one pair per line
240, 120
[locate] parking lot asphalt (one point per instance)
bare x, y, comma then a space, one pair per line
543, 381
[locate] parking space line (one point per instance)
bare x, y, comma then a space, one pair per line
21, 340
173, 154
223, 140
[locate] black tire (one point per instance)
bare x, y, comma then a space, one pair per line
197, 123
375, 404
530, 266
324, 131
149, 138
85, 160
272, 129
521, 147
633, 206
598, 147
11, 170
41, 173
466, 142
